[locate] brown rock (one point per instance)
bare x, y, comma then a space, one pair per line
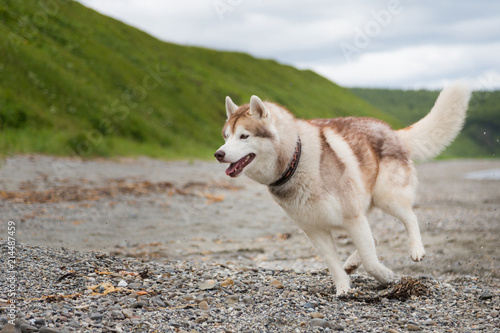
227, 282
203, 305
317, 315
277, 284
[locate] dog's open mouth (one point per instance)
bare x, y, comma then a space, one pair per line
236, 168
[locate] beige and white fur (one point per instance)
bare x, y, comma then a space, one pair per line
347, 166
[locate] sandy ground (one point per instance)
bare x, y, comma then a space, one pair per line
192, 211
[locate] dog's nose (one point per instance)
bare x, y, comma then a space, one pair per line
219, 155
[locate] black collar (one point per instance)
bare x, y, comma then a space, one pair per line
292, 166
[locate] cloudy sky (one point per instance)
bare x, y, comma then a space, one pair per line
368, 43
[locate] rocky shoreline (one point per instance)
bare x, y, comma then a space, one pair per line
142, 245
61, 290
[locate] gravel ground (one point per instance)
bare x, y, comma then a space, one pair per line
63, 290
176, 246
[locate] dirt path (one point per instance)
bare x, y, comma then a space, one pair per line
193, 211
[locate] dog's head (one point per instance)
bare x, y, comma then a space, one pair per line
249, 135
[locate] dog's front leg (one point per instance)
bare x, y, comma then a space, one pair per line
354, 261
323, 242
361, 235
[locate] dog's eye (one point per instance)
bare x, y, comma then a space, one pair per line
243, 136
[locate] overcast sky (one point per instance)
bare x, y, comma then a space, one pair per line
363, 43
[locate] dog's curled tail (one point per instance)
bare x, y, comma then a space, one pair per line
432, 134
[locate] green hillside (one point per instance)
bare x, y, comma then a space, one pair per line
481, 134
76, 82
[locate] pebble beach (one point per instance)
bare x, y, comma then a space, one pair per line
141, 245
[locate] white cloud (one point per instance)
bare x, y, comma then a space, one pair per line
425, 43
416, 67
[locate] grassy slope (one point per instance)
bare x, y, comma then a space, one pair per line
481, 134
76, 82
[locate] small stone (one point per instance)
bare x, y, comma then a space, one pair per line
369, 317
412, 327
134, 285
247, 300
128, 313
96, 316
227, 282
277, 284
203, 305
73, 323
39, 322
117, 314
317, 315
209, 284
232, 299
320, 323
200, 298
122, 283
26, 328
158, 302
138, 304
449, 287
429, 322
486, 295
391, 330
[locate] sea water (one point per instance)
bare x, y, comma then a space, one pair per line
492, 174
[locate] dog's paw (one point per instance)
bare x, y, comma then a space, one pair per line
382, 274
352, 263
342, 290
349, 294
417, 252
351, 266
349, 269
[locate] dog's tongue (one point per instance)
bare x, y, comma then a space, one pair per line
237, 167
232, 170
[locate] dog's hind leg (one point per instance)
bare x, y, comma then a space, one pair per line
409, 219
323, 242
394, 193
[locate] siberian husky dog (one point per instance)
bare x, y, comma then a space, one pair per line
327, 173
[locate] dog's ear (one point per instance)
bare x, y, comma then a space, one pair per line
230, 107
257, 108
